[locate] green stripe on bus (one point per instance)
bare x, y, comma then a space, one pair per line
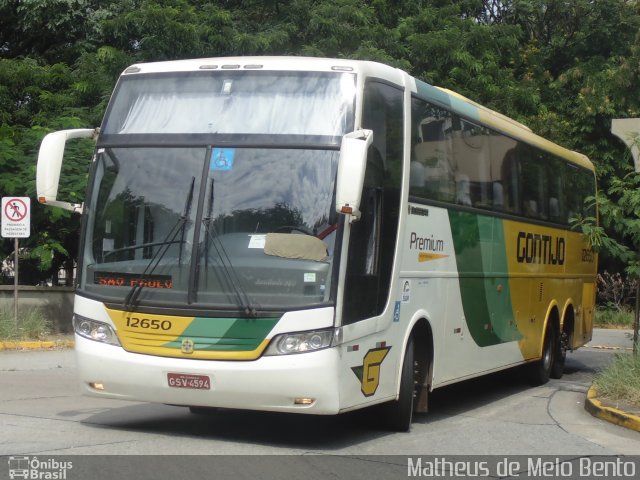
225, 334
484, 285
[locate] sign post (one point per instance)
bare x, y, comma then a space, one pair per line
16, 223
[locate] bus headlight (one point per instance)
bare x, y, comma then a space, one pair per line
300, 342
94, 330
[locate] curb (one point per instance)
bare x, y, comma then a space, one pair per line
36, 345
610, 414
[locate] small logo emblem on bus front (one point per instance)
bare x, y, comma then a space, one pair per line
187, 346
369, 372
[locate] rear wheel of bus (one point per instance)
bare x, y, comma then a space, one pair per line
540, 370
557, 369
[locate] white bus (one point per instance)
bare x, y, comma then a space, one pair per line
318, 236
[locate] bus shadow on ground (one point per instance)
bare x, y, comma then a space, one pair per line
471, 395
279, 430
575, 367
463, 397
305, 432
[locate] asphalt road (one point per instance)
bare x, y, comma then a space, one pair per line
43, 414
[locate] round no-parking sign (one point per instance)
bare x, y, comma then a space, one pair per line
16, 217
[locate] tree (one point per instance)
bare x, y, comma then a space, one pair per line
565, 68
579, 55
34, 100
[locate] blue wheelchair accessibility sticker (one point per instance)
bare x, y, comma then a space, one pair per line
222, 159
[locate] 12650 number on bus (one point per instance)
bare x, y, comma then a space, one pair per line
149, 323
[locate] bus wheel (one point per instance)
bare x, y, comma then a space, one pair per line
398, 414
540, 371
562, 345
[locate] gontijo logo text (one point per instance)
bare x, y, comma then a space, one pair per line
544, 249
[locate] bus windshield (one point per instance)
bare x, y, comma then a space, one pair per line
233, 102
257, 229
215, 189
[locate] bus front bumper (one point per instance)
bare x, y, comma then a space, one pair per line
301, 383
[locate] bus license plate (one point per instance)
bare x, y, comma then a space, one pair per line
185, 380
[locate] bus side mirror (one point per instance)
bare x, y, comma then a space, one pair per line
351, 170
50, 164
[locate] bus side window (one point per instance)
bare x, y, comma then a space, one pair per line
557, 189
579, 185
534, 184
431, 173
471, 155
504, 174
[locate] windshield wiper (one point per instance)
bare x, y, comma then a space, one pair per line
137, 247
230, 274
170, 239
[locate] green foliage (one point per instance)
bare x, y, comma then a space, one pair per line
564, 68
614, 318
620, 380
448, 47
619, 211
32, 325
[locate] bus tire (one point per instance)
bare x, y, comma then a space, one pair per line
540, 370
557, 369
398, 414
